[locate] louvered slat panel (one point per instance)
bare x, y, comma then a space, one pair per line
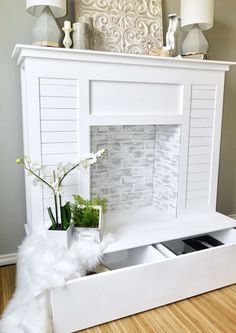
202, 113
57, 90
58, 102
57, 158
200, 150
200, 145
201, 132
58, 114
201, 123
203, 94
200, 141
197, 203
202, 104
203, 87
198, 159
59, 148
198, 194
196, 168
58, 126
54, 137
200, 185
59, 133
58, 82
198, 177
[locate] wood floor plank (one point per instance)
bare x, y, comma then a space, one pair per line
213, 312
7, 284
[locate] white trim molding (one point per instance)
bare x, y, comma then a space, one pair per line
8, 259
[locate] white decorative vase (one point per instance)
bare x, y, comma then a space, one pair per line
60, 237
90, 233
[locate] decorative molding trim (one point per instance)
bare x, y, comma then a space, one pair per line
8, 259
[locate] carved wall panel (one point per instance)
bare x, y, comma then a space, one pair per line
125, 26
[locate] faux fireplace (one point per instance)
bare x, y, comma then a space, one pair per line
160, 119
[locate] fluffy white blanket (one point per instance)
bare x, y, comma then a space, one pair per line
42, 265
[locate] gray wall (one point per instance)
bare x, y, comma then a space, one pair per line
222, 40
16, 25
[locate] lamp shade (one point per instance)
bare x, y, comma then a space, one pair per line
199, 12
35, 7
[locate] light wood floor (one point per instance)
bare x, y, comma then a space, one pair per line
213, 312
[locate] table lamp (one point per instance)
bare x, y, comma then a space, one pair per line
196, 15
47, 31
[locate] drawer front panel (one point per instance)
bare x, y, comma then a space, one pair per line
123, 292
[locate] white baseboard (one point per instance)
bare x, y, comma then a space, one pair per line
8, 259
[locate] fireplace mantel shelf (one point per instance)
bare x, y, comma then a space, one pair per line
23, 51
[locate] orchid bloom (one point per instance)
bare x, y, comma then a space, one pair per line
38, 174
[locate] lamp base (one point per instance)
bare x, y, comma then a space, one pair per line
195, 42
47, 31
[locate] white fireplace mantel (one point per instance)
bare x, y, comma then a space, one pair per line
74, 101
66, 92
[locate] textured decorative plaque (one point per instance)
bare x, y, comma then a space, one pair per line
126, 26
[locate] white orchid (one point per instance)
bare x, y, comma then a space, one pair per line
100, 153
38, 174
88, 160
92, 158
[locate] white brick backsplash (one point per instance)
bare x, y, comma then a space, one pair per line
141, 168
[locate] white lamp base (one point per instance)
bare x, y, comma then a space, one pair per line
47, 31
195, 42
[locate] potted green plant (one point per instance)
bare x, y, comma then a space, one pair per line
88, 216
61, 219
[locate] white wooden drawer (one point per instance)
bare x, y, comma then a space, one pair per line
152, 280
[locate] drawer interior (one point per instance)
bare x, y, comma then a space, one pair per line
197, 243
161, 251
226, 236
131, 257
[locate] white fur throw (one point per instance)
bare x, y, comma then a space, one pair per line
42, 265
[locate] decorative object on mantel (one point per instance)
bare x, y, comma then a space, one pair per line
47, 31
67, 42
199, 56
160, 52
196, 15
171, 47
83, 33
173, 34
41, 266
87, 216
62, 218
124, 26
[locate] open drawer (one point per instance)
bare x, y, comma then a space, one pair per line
141, 279
132, 257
